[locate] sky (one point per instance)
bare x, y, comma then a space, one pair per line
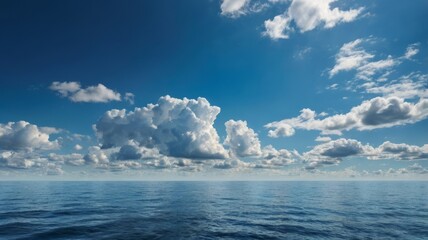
227, 89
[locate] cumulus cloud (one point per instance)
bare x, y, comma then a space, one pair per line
73, 159
375, 113
231, 164
242, 140
333, 152
74, 92
53, 169
307, 15
176, 127
11, 159
25, 136
271, 157
417, 168
96, 156
339, 148
77, 147
132, 151
278, 28
401, 151
233, 8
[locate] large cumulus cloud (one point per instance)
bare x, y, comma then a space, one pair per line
176, 127
25, 136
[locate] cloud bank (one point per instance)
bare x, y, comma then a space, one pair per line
379, 112
334, 151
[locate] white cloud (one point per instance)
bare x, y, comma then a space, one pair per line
25, 136
307, 15
132, 151
53, 169
375, 113
176, 127
333, 86
280, 129
73, 159
302, 53
234, 8
231, 164
273, 157
77, 147
74, 92
129, 97
368, 70
350, 56
323, 139
401, 151
65, 88
411, 51
242, 140
96, 156
237, 8
334, 151
353, 57
407, 87
278, 27
11, 159
416, 168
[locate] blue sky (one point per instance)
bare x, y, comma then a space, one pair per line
289, 89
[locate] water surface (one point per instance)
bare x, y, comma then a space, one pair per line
213, 210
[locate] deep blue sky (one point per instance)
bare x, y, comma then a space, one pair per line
189, 49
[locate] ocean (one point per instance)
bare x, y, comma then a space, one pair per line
214, 210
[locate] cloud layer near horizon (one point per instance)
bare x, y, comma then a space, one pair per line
379, 112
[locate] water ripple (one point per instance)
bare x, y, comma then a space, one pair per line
213, 210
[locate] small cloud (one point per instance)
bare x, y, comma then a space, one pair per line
411, 51
237, 8
307, 15
74, 92
234, 8
333, 86
302, 53
323, 139
129, 97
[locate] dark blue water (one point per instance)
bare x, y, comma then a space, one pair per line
213, 210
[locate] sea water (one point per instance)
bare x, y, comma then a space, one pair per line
214, 210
